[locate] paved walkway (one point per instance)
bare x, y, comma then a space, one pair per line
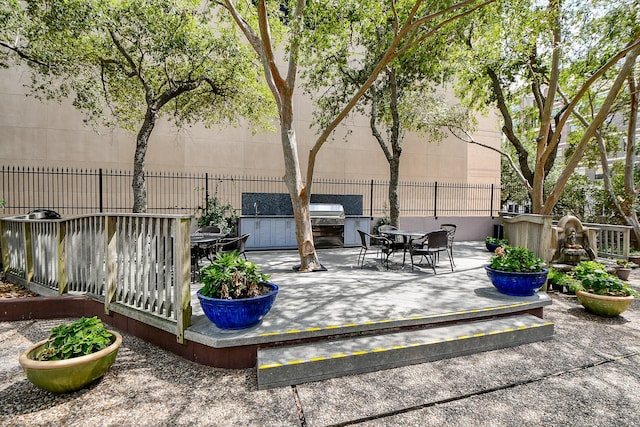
589, 374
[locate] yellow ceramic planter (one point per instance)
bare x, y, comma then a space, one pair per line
63, 376
603, 305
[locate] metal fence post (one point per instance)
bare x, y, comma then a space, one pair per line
100, 189
435, 200
491, 211
371, 200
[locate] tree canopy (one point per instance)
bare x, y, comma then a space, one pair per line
129, 62
305, 29
529, 59
407, 96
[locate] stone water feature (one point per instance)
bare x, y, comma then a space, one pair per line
572, 242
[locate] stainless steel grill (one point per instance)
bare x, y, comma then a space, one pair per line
327, 221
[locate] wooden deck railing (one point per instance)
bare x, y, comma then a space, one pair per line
536, 232
138, 265
614, 241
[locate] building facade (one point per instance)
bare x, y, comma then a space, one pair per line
41, 134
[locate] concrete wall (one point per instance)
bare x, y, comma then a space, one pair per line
50, 134
467, 228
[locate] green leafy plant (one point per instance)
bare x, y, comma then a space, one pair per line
82, 337
559, 280
490, 240
219, 215
230, 276
623, 263
593, 277
555, 276
516, 259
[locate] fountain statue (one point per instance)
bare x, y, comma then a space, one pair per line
573, 243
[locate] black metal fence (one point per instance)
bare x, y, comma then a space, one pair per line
79, 191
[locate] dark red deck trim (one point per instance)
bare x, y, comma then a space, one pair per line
56, 307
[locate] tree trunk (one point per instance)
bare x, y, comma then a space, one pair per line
142, 142
394, 164
589, 133
297, 190
394, 203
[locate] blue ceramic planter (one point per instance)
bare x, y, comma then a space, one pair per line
238, 313
517, 284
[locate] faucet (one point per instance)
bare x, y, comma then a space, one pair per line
255, 207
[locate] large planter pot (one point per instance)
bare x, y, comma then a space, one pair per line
63, 376
604, 305
635, 259
238, 313
623, 273
517, 284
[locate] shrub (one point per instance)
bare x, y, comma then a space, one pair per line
593, 277
82, 337
516, 259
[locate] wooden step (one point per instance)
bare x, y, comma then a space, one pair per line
289, 365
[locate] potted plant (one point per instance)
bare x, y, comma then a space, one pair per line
516, 271
236, 294
492, 243
215, 213
623, 268
555, 279
600, 292
634, 257
73, 356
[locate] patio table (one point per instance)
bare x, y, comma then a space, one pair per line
406, 238
200, 242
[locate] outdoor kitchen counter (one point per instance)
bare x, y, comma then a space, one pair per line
279, 231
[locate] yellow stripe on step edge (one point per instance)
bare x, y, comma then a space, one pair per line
270, 365
270, 334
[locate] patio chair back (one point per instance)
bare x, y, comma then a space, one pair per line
383, 245
451, 234
233, 244
429, 246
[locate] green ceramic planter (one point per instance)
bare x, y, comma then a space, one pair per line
603, 305
63, 376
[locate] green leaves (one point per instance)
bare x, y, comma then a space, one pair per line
230, 276
82, 337
516, 259
594, 278
120, 58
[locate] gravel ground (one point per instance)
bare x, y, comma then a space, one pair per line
589, 374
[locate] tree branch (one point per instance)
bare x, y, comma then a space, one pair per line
471, 140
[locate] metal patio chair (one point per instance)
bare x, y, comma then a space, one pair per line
451, 233
382, 244
429, 246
